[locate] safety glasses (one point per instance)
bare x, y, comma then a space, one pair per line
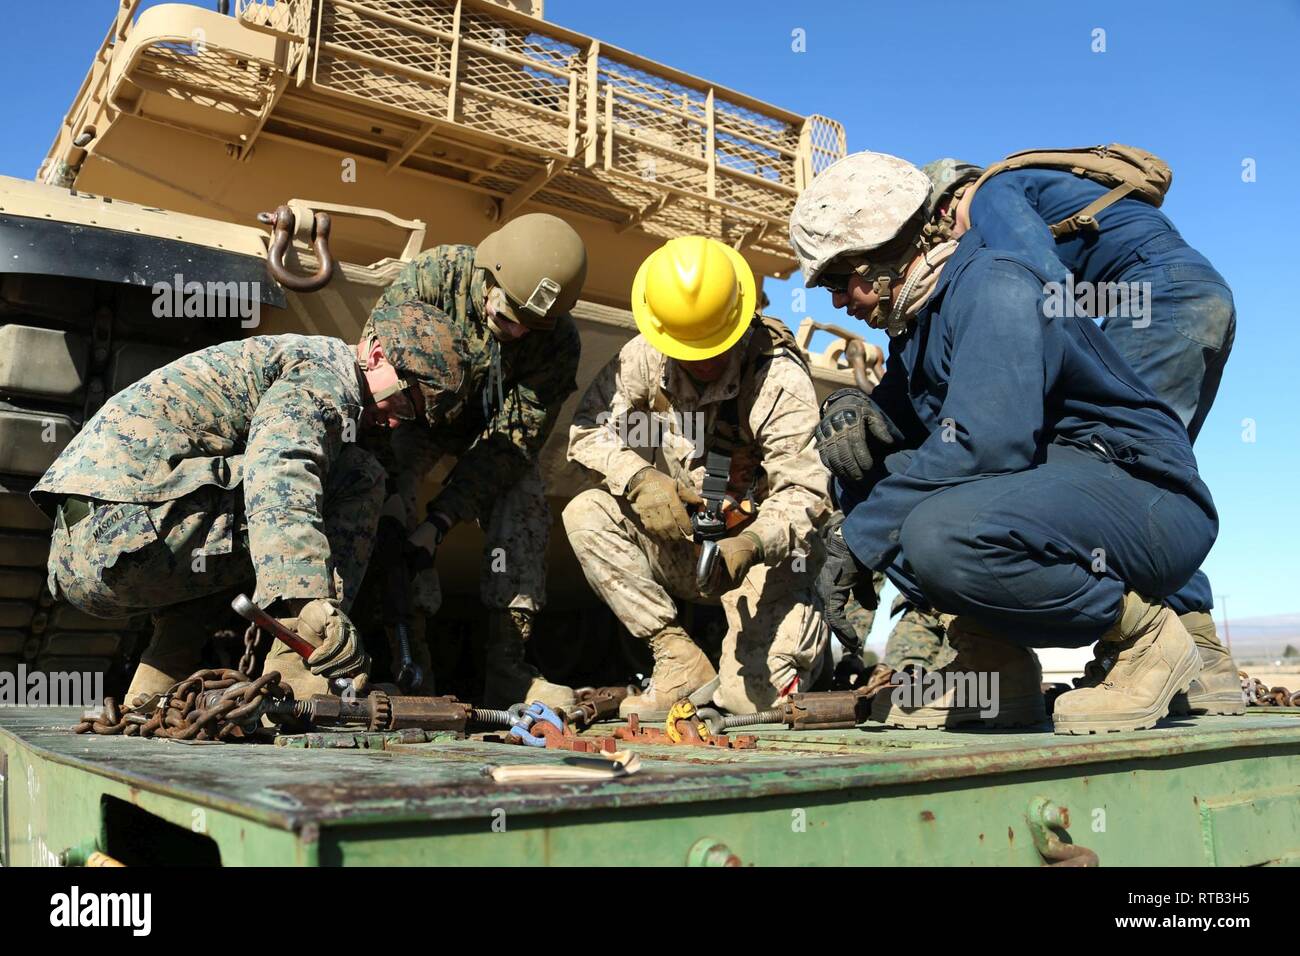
835, 284
838, 283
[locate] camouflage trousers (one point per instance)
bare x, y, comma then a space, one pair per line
513, 566
918, 637
774, 635
181, 559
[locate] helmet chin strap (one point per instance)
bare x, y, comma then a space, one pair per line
889, 311
897, 323
399, 384
881, 314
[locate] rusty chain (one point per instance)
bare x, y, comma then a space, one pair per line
211, 704
249, 659
1259, 694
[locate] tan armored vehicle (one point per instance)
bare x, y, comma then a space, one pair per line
411, 123
376, 128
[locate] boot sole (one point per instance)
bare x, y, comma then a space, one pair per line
1183, 674
1020, 712
1223, 703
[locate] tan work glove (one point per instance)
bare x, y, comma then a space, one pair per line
735, 557
340, 652
660, 502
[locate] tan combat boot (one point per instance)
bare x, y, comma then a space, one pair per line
510, 678
1154, 658
173, 654
681, 668
1218, 688
991, 681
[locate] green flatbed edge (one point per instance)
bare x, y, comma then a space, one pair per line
1194, 791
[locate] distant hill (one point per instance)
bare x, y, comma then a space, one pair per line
1263, 637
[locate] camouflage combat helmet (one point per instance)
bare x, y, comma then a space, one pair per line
864, 215
946, 176
540, 263
426, 350
863, 203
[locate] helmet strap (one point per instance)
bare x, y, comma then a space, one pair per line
398, 386
940, 229
897, 322
889, 309
882, 286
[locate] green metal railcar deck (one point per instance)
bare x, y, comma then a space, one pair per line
1206, 791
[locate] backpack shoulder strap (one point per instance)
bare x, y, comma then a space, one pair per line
1086, 218
1126, 169
772, 337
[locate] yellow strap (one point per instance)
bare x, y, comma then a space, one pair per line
1086, 218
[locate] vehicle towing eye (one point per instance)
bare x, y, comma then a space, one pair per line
283, 224
250, 612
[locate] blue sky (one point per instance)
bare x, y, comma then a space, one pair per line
1206, 85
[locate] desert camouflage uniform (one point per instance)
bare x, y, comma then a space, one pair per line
231, 466
510, 400
774, 635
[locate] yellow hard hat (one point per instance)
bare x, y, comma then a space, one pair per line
693, 298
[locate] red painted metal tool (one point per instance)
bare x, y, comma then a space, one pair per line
246, 609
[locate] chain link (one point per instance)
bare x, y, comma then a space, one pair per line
179, 713
1259, 694
251, 638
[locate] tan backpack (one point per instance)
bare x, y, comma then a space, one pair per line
1127, 169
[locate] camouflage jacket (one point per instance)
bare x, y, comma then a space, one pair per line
497, 433
271, 412
643, 401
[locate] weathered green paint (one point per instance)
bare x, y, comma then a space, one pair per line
1222, 791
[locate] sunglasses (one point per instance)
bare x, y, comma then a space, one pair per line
837, 284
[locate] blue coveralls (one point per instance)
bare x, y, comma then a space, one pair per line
1043, 479
1180, 345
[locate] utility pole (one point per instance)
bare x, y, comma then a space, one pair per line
1227, 634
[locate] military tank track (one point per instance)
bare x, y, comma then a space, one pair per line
66, 345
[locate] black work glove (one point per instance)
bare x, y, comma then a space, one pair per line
840, 576
850, 434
